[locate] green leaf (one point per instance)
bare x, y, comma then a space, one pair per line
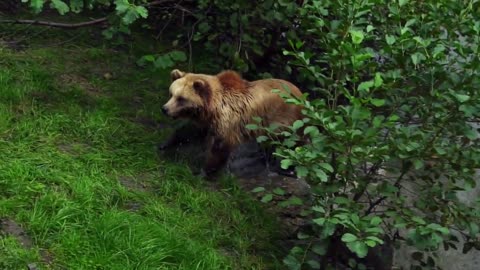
251, 126
348, 237
470, 134
204, 27
76, 5
390, 39
440, 48
370, 28
279, 191
294, 201
321, 175
378, 81
164, 62
402, 2
262, 138
377, 121
297, 124
130, 16
410, 22
258, 189
473, 228
142, 11
327, 167
365, 86
377, 102
267, 198
178, 56
342, 200
292, 263
313, 264
419, 220
36, 5
302, 171
417, 58
148, 58
355, 218
439, 228
286, 163
121, 6
376, 230
302, 235
418, 164
375, 221
311, 130
319, 209
320, 248
468, 110
462, 98
357, 36
60, 6
370, 243
328, 229
257, 119
375, 239
319, 221
359, 248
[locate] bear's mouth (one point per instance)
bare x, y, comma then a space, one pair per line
186, 113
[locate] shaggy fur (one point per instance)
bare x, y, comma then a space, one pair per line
225, 104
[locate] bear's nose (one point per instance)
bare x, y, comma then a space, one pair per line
165, 110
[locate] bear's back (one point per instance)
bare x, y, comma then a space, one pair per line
271, 106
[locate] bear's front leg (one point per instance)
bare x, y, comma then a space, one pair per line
186, 133
217, 156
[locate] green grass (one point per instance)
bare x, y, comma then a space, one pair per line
80, 173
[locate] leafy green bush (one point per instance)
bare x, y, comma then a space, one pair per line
393, 138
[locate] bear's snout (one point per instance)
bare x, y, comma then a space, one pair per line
165, 110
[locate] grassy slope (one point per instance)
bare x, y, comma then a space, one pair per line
80, 173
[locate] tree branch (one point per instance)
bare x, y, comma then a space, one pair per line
374, 204
56, 24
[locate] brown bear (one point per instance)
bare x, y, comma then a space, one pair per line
224, 104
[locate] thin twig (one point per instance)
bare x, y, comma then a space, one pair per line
374, 204
406, 168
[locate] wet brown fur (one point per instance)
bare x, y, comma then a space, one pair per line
231, 80
227, 103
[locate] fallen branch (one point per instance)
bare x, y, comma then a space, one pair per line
75, 25
56, 24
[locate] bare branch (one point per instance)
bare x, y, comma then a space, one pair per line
56, 24
374, 204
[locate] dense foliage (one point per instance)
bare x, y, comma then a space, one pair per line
391, 113
394, 139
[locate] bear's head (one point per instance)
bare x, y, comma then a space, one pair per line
190, 95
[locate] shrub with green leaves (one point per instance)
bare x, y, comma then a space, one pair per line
393, 133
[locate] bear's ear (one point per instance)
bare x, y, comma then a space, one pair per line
176, 74
199, 85
202, 88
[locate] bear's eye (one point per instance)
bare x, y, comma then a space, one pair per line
180, 99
